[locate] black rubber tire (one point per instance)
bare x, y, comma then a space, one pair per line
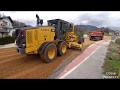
44, 55
80, 40
90, 38
101, 37
59, 48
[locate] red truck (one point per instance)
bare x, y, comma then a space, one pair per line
96, 35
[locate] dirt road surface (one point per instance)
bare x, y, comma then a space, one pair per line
16, 66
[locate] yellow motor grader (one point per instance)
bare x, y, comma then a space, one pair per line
48, 41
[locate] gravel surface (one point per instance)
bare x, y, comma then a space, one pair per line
16, 66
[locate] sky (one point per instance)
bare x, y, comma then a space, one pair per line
109, 19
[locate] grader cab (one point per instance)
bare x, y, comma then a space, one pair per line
48, 41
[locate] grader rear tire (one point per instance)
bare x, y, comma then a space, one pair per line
61, 48
49, 53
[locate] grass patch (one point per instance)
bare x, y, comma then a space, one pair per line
106, 34
117, 41
112, 60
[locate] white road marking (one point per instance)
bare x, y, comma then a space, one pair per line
78, 64
91, 45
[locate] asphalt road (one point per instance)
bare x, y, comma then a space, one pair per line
91, 68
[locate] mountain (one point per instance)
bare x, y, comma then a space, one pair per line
89, 28
86, 27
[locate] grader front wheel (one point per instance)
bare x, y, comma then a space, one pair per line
49, 53
62, 48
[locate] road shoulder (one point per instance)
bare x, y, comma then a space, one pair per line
91, 66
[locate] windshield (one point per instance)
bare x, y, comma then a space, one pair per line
52, 24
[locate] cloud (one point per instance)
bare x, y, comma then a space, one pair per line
29, 17
101, 19
96, 18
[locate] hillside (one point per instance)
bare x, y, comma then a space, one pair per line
90, 28
85, 27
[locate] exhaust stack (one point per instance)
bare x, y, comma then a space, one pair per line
39, 21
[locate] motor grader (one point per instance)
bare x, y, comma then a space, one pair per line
48, 41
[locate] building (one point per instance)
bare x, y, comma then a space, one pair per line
117, 32
6, 25
111, 32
